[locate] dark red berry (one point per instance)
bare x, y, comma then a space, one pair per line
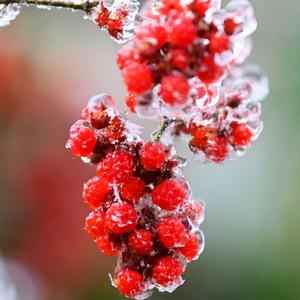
129, 283
170, 194
121, 217
167, 271
241, 134
153, 156
117, 166
191, 249
82, 139
95, 223
132, 189
105, 245
172, 233
95, 191
138, 78
141, 241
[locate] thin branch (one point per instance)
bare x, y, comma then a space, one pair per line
69, 4
165, 123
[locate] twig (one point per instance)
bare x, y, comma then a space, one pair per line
75, 5
156, 135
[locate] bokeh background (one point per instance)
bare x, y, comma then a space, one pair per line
51, 63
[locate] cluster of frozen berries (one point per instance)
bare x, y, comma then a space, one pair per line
142, 207
183, 64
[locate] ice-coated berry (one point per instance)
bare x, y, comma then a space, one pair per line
129, 283
169, 194
241, 134
132, 189
117, 166
130, 101
219, 42
82, 140
95, 191
121, 217
167, 270
95, 223
105, 245
191, 249
217, 149
127, 55
141, 241
153, 156
172, 233
181, 31
137, 77
174, 89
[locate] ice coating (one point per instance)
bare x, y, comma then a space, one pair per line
117, 17
8, 13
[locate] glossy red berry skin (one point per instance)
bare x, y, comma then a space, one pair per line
132, 189
174, 89
202, 6
219, 42
82, 140
138, 78
129, 283
172, 233
191, 249
209, 71
95, 191
95, 223
180, 58
105, 245
121, 217
141, 241
117, 166
181, 31
241, 134
128, 55
169, 194
217, 149
153, 156
167, 270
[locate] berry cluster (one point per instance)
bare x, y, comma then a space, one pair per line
189, 56
142, 207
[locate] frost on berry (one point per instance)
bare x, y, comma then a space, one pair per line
8, 12
117, 17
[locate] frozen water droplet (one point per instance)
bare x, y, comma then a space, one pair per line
8, 13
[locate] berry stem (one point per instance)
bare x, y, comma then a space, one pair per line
75, 5
165, 123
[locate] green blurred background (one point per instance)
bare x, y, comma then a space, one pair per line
51, 63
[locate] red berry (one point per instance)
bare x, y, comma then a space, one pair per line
150, 36
174, 89
181, 30
129, 283
209, 71
167, 271
130, 101
105, 245
82, 139
95, 223
172, 233
132, 189
121, 217
117, 166
170, 194
219, 42
191, 249
202, 6
217, 149
169, 5
241, 134
138, 78
180, 58
95, 191
127, 55
141, 241
232, 26
153, 156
